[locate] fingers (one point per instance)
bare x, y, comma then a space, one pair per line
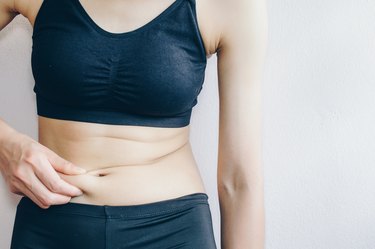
29, 168
62, 165
28, 193
20, 188
51, 180
44, 195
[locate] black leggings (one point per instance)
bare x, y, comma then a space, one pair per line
184, 222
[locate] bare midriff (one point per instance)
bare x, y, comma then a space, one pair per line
126, 165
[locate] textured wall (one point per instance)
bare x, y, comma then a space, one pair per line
319, 117
318, 123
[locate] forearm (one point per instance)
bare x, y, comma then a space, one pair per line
242, 218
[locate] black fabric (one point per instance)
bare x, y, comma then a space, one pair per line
150, 76
184, 222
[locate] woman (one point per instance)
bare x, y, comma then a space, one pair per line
115, 85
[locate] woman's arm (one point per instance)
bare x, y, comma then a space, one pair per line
28, 167
7, 12
241, 55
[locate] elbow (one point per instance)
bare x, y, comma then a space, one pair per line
240, 186
231, 187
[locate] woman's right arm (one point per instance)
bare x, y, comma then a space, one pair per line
28, 167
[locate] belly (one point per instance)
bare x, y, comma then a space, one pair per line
126, 165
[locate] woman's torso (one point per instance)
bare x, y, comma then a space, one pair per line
127, 164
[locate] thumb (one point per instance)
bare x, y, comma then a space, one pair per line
64, 166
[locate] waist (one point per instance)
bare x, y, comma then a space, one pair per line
97, 146
148, 165
175, 175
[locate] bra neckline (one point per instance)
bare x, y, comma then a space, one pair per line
144, 27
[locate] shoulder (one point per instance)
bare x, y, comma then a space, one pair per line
245, 22
210, 20
225, 22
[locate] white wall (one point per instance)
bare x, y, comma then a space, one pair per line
319, 117
318, 130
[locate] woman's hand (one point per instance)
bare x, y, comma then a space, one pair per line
29, 168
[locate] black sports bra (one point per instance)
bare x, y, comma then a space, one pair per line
150, 76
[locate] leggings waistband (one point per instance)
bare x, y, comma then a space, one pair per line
121, 211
